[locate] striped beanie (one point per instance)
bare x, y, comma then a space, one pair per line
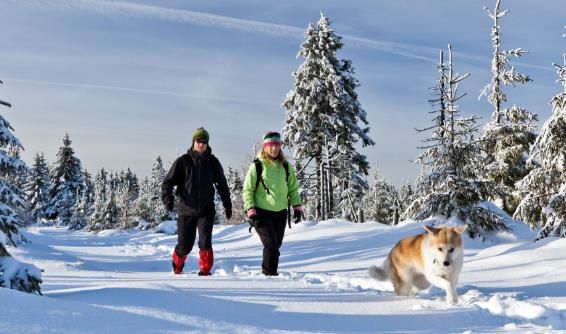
271, 138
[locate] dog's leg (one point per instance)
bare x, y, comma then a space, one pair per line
453, 285
400, 283
420, 282
443, 283
402, 289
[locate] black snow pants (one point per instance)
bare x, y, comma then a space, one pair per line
186, 232
271, 229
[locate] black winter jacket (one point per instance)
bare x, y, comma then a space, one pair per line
194, 175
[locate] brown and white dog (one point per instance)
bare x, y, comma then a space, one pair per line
434, 257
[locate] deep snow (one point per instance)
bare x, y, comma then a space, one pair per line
121, 282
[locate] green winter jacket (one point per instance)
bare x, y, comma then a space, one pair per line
274, 175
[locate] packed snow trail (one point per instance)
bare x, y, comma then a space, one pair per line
116, 282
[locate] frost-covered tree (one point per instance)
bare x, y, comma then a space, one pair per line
84, 208
449, 184
13, 274
236, 184
158, 211
406, 197
142, 208
88, 191
510, 133
220, 217
80, 214
129, 178
352, 187
381, 201
19, 177
110, 214
10, 196
126, 195
101, 195
66, 183
323, 111
544, 188
37, 188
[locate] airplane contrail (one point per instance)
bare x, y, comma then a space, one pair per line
141, 90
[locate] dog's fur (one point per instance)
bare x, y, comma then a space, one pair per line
434, 257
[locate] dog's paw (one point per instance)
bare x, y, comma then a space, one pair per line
452, 299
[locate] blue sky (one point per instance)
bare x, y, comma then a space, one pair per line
130, 80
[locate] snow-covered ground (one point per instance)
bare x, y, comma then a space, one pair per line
121, 282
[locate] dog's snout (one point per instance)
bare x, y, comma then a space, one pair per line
446, 263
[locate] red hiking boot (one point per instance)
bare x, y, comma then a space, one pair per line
178, 262
206, 260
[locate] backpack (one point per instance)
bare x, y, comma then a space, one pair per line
259, 169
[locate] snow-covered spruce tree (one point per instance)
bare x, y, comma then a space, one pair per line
18, 179
110, 214
37, 188
10, 196
510, 133
66, 183
544, 188
158, 211
236, 184
131, 180
142, 209
84, 208
80, 213
381, 201
352, 186
13, 274
322, 110
449, 184
88, 191
101, 195
406, 197
126, 194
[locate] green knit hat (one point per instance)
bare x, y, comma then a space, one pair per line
200, 133
272, 138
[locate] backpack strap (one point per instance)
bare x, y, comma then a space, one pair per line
286, 165
258, 171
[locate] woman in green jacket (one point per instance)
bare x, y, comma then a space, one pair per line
266, 199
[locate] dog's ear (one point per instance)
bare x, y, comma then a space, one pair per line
461, 229
431, 229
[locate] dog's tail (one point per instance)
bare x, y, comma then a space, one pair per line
380, 273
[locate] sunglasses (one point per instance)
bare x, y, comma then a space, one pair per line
200, 141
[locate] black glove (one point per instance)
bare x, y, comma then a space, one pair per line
228, 213
169, 206
297, 216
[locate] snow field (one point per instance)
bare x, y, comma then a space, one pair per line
115, 282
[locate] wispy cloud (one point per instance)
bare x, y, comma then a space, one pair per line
127, 9
142, 91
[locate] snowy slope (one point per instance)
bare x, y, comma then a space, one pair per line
120, 282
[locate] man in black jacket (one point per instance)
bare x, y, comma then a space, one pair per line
195, 175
